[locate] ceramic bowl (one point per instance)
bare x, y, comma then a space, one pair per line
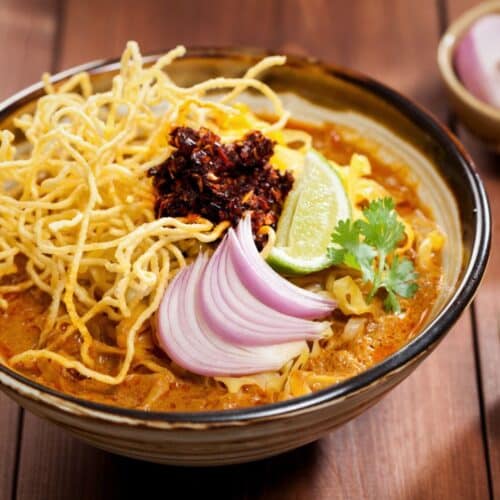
480, 118
393, 129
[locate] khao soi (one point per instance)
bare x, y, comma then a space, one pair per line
166, 248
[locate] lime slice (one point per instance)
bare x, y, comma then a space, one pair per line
311, 211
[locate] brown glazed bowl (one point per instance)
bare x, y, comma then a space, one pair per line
394, 130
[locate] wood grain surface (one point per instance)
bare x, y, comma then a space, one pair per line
487, 313
425, 439
487, 304
26, 33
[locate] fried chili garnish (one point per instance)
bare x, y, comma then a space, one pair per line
220, 182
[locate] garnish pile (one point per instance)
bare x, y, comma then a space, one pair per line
220, 181
368, 246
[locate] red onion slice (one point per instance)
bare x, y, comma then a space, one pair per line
270, 287
237, 316
227, 316
189, 342
477, 59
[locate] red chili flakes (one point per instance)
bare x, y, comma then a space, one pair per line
204, 177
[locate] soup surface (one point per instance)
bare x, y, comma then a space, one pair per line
154, 382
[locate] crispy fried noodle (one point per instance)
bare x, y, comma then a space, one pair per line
79, 206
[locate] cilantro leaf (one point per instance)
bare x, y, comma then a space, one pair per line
391, 303
350, 251
401, 277
366, 245
381, 228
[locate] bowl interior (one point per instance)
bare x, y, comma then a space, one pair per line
392, 129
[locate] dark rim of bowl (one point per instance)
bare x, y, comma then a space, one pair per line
411, 351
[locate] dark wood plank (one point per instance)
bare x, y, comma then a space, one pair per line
424, 439
157, 26
9, 422
391, 41
487, 302
27, 31
26, 35
487, 311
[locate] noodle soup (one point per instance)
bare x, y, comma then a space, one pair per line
98, 223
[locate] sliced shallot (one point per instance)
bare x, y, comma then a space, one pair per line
193, 345
237, 315
269, 286
217, 318
477, 59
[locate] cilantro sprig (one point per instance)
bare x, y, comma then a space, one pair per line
368, 245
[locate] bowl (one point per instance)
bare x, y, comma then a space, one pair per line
480, 118
394, 130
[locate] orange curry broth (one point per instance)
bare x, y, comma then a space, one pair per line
183, 391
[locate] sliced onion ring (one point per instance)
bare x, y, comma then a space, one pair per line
239, 317
217, 319
191, 344
269, 286
477, 59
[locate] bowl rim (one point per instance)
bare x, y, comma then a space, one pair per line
410, 353
446, 51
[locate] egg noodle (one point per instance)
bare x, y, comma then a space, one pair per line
77, 208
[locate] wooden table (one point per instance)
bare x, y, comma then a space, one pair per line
438, 434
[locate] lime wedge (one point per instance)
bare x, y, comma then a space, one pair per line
311, 211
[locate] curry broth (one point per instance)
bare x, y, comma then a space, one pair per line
183, 391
